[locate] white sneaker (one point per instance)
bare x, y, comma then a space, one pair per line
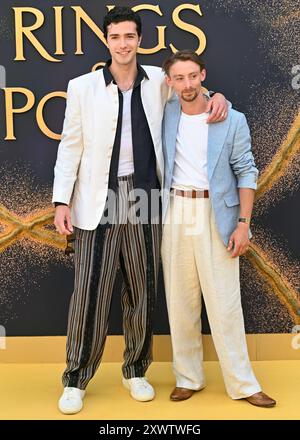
71, 400
140, 389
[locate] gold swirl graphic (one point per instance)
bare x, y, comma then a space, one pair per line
32, 227
276, 281
281, 160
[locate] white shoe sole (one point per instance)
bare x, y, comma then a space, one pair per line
69, 411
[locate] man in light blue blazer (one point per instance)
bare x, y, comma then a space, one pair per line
209, 183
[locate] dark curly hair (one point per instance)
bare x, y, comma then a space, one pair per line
119, 14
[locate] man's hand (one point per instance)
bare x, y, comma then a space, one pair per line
239, 240
218, 107
62, 220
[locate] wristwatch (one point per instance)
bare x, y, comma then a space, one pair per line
244, 220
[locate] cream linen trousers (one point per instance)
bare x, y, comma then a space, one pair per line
196, 261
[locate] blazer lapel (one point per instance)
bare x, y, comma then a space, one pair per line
101, 93
172, 118
217, 133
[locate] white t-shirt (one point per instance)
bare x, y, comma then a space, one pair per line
126, 164
190, 168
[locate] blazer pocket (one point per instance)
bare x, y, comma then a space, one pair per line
231, 200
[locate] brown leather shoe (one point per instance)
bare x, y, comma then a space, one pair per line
181, 394
261, 399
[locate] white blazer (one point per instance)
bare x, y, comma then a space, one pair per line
82, 167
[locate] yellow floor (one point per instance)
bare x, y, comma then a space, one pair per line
30, 391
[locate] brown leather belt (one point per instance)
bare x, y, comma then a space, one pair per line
191, 193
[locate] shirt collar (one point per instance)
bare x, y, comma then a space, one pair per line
108, 78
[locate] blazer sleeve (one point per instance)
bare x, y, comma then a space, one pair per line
241, 158
70, 149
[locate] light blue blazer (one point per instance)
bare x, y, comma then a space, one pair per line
230, 164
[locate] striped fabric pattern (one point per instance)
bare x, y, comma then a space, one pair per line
98, 254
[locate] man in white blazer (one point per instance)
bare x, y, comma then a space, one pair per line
111, 144
209, 183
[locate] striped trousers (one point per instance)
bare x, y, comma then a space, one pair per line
98, 254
